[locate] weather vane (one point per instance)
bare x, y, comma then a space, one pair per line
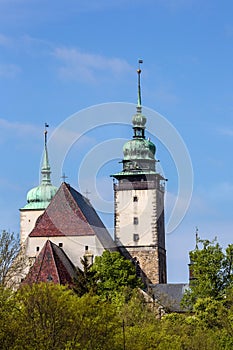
45, 133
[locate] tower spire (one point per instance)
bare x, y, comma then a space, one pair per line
39, 197
45, 170
139, 105
197, 238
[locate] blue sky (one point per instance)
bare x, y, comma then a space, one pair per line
60, 57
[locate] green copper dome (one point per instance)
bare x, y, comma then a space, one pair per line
139, 153
39, 197
139, 148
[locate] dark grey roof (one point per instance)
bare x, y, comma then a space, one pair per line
169, 295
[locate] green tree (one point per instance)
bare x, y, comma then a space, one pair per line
8, 322
49, 316
211, 270
115, 274
86, 281
98, 325
12, 261
46, 316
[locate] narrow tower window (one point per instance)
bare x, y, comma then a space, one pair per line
135, 198
135, 221
136, 237
60, 245
37, 249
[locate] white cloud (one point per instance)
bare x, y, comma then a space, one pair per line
64, 139
86, 66
9, 70
8, 128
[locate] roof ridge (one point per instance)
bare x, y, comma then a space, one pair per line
51, 244
40, 263
68, 187
42, 260
40, 218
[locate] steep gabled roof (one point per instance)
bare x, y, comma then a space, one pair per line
71, 214
51, 265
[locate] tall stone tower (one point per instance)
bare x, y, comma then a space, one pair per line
139, 202
38, 198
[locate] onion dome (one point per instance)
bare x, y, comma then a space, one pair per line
139, 155
39, 197
139, 149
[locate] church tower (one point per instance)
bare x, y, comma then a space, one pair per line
38, 198
139, 202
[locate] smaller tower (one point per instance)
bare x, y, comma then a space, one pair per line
38, 198
190, 265
139, 202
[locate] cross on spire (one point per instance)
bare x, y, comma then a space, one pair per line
64, 177
87, 193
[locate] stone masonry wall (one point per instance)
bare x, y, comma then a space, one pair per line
148, 261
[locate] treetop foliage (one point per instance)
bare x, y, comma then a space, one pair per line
212, 272
111, 277
46, 316
12, 262
106, 311
113, 272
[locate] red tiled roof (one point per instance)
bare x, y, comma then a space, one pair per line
51, 265
71, 214
65, 216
